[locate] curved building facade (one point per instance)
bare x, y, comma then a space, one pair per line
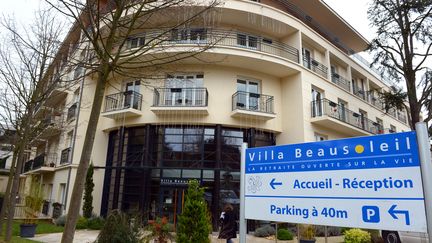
278, 72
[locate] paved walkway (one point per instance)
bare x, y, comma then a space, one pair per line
88, 236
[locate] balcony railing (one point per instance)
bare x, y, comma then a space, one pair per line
360, 92
220, 37
252, 102
401, 116
375, 101
72, 111
44, 159
315, 66
326, 107
28, 166
341, 81
180, 97
123, 100
65, 156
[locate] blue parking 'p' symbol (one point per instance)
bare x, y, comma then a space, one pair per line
370, 214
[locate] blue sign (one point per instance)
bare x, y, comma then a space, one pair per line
370, 182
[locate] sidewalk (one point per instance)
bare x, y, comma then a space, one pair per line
88, 236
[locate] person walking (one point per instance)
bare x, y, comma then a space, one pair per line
228, 224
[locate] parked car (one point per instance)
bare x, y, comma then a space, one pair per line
404, 237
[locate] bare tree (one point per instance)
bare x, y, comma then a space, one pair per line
25, 56
112, 33
402, 48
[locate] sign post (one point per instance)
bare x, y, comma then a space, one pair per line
426, 170
242, 221
370, 182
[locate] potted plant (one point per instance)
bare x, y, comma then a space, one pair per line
307, 233
160, 231
33, 203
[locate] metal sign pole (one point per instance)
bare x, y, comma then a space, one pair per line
426, 171
242, 230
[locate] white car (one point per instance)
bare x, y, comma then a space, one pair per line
404, 237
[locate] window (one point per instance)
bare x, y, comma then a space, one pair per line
342, 109
79, 71
184, 90
363, 119
379, 126
62, 194
317, 102
248, 94
189, 35
320, 137
392, 129
248, 41
131, 97
306, 58
136, 42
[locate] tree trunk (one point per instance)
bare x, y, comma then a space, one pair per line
412, 99
78, 188
6, 198
15, 184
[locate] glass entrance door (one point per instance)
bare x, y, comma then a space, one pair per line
171, 202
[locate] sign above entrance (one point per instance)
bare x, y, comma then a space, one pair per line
367, 182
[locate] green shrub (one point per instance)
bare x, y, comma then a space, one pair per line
81, 223
120, 228
194, 224
60, 221
95, 223
357, 236
284, 234
264, 231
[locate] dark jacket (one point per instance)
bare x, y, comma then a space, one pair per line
228, 225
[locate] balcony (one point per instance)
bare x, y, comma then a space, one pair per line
57, 94
376, 102
72, 111
175, 100
315, 66
401, 117
333, 116
252, 105
65, 157
359, 92
227, 45
341, 81
52, 125
41, 164
123, 104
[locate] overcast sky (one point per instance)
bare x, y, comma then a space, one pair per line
353, 11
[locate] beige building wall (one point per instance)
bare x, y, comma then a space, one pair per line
289, 82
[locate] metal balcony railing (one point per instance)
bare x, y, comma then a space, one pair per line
123, 100
315, 66
401, 116
65, 156
329, 108
252, 102
180, 97
359, 92
44, 159
72, 111
375, 101
28, 166
220, 37
341, 81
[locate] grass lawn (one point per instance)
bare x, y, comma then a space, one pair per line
42, 228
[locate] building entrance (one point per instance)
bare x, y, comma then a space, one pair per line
172, 202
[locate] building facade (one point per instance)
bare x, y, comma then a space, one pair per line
281, 72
